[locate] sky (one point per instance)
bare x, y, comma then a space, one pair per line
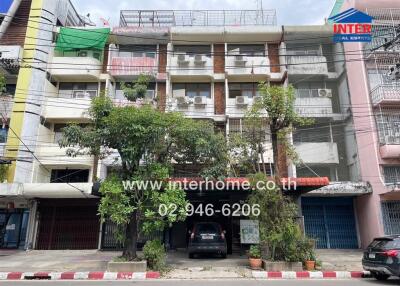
289, 12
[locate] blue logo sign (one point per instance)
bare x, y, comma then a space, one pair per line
5, 6
352, 26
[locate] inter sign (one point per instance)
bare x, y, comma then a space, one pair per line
5, 6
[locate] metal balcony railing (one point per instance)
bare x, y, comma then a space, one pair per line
385, 93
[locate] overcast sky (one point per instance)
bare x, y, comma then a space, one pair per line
289, 12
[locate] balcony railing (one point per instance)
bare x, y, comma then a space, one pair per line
307, 65
386, 94
131, 63
313, 102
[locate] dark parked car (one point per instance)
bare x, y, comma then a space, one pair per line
207, 237
382, 257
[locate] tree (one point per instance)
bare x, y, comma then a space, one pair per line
278, 102
280, 235
147, 141
3, 165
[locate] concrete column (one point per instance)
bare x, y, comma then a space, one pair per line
32, 222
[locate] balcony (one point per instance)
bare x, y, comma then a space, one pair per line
318, 152
196, 107
83, 68
10, 57
50, 154
125, 64
388, 125
386, 94
69, 105
48, 190
314, 102
307, 65
243, 67
190, 66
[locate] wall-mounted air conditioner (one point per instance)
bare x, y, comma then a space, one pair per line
325, 92
182, 102
241, 100
257, 98
199, 60
240, 60
84, 94
199, 101
183, 60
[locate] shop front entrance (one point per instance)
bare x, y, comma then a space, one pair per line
13, 227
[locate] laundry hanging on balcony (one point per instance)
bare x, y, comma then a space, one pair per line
70, 39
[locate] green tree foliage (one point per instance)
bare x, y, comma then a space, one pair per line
147, 141
137, 89
280, 234
154, 252
278, 102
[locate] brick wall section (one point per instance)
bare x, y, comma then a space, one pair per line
273, 55
162, 58
219, 98
16, 31
219, 58
161, 95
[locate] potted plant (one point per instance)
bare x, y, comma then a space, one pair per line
310, 261
255, 257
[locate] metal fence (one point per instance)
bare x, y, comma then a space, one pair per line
391, 217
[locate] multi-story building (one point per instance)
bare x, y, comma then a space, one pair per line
205, 64
375, 97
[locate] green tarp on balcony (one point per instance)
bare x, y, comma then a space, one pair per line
71, 39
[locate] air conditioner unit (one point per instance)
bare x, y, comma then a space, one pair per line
183, 59
182, 102
325, 92
240, 60
241, 100
199, 101
199, 60
81, 94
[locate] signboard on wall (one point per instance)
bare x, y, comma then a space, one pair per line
249, 232
5, 6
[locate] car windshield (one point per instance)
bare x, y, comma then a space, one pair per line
207, 228
385, 244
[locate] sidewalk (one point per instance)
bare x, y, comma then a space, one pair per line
235, 266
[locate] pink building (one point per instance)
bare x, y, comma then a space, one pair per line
375, 100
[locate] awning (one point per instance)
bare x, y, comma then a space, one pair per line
289, 185
71, 39
342, 189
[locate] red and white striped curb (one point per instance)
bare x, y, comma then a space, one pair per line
310, 274
79, 275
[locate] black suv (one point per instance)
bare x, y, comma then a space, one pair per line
382, 257
207, 237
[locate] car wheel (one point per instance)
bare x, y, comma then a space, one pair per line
191, 255
381, 276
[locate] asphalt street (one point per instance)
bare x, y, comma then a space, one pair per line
219, 282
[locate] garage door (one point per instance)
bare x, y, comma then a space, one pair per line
331, 222
68, 227
391, 217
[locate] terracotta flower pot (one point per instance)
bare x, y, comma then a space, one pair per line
310, 265
255, 263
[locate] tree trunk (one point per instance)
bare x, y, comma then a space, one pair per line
131, 234
95, 168
274, 141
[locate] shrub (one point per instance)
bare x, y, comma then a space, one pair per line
154, 253
255, 251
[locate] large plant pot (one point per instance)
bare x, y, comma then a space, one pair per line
255, 263
130, 266
310, 265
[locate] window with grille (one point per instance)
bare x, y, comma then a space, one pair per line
241, 127
243, 89
392, 174
192, 89
388, 123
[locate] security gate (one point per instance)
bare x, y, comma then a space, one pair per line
331, 222
391, 217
